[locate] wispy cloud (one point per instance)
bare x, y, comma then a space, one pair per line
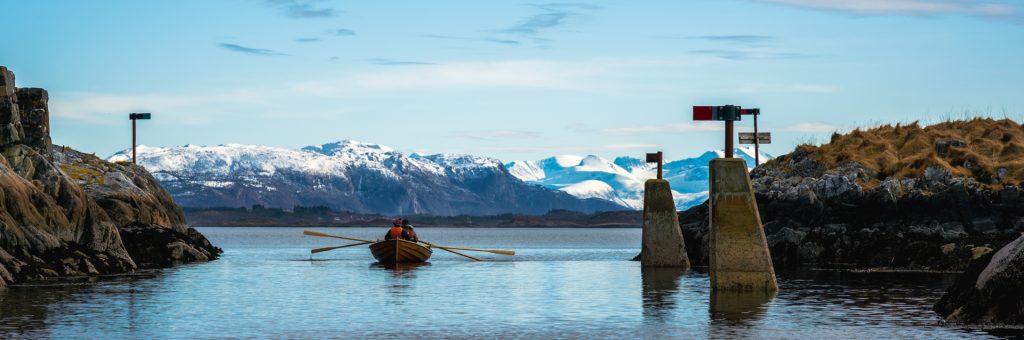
750, 54
739, 39
341, 32
554, 6
496, 134
785, 88
672, 128
302, 9
250, 50
907, 7
538, 22
520, 73
589, 149
109, 108
550, 16
306, 40
393, 62
812, 127
479, 39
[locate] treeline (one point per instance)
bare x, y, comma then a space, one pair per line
258, 215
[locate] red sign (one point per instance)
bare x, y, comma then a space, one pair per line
750, 111
703, 113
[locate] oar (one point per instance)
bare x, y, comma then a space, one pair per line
455, 252
313, 233
319, 250
496, 251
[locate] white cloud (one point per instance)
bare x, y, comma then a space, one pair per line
581, 75
812, 127
786, 88
496, 134
105, 108
572, 149
907, 7
662, 129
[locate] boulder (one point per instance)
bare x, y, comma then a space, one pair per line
989, 292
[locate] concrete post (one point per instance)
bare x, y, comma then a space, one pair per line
740, 260
662, 239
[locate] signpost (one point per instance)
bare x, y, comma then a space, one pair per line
134, 117
656, 158
726, 113
757, 141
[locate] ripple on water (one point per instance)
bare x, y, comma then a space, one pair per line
563, 283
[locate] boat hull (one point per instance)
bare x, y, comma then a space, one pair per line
400, 251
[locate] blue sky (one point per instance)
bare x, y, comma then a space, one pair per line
508, 79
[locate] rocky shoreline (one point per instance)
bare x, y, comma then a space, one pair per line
845, 215
68, 214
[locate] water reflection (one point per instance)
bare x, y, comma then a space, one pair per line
660, 286
738, 307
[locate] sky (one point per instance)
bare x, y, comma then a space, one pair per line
514, 80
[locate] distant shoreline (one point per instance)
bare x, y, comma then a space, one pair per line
615, 226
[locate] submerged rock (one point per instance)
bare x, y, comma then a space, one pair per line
989, 292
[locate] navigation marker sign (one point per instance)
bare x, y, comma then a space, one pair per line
762, 138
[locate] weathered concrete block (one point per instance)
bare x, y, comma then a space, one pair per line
662, 239
739, 257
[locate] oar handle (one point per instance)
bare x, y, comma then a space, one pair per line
314, 233
496, 251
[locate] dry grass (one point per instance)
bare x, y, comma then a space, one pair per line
907, 150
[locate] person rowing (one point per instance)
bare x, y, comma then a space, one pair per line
407, 231
396, 231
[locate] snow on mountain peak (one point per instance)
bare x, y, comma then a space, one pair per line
349, 146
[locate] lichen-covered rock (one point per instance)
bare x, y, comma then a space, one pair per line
989, 292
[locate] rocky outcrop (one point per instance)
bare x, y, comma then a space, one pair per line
821, 211
989, 292
53, 223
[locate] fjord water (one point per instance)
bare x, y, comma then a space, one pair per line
563, 282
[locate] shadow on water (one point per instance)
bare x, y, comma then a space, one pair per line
660, 285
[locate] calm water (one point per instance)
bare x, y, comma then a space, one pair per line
563, 283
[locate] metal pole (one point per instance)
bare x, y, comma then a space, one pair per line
757, 144
660, 160
728, 139
133, 140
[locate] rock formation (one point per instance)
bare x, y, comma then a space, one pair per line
66, 214
989, 292
892, 197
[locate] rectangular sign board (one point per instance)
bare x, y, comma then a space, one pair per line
726, 112
654, 157
138, 116
762, 138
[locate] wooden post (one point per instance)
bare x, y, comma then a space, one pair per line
728, 139
757, 144
133, 138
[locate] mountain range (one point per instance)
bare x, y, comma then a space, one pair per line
370, 178
622, 180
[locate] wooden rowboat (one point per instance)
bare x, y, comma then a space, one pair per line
400, 251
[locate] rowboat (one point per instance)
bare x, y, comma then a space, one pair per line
400, 251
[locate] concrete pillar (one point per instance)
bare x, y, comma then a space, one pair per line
662, 239
740, 260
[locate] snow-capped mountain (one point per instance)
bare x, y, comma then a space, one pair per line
622, 180
349, 175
